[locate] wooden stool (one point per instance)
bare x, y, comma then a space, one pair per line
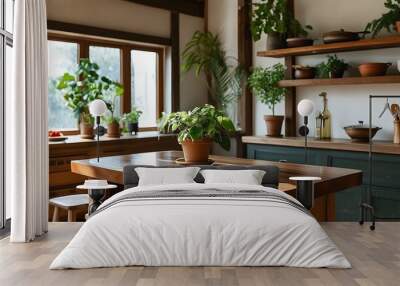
71, 204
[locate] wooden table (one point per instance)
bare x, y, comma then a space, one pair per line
333, 179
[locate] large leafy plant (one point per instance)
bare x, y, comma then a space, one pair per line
264, 82
387, 20
273, 16
225, 80
205, 122
84, 86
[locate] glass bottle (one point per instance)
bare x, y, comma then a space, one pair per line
323, 121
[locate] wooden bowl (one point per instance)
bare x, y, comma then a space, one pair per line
360, 132
299, 42
304, 72
374, 69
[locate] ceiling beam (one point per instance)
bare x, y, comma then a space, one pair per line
189, 7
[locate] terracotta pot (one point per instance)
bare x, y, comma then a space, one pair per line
196, 151
398, 26
274, 125
86, 130
113, 130
374, 69
275, 41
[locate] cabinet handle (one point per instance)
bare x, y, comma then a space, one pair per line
282, 161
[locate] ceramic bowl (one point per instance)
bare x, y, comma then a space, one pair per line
374, 69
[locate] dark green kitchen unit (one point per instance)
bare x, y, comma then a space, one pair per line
386, 179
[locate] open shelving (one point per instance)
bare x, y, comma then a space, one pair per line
340, 81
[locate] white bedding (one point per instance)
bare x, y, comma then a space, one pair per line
200, 232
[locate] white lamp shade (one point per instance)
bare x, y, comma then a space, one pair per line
305, 107
97, 107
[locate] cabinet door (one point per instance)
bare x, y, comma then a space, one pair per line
276, 153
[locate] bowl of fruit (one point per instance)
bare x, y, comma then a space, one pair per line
56, 136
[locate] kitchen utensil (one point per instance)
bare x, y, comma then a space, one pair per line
395, 110
299, 42
303, 72
385, 108
341, 36
360, 132
374, 69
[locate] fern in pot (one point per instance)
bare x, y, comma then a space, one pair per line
197, 129
131, 120
264, 82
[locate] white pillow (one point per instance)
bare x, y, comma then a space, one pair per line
166, 176
247, 177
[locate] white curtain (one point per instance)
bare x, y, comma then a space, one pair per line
27, 153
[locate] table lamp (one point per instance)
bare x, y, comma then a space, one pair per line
305, 108
97, 108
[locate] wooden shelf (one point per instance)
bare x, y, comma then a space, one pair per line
367, 44
389, 79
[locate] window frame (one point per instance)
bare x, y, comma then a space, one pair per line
84, 42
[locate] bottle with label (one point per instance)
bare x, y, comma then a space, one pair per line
323, 120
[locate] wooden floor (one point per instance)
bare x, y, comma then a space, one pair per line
375, 257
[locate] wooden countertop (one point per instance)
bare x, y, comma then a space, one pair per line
383, 147
110, 168
76, 139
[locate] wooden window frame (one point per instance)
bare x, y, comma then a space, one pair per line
84, 43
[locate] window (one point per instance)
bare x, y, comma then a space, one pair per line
63, 57
144, 85
138, 68
109, 61
6, 43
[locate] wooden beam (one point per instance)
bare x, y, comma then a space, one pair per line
189, 7
107, 33
245, 57
176, 63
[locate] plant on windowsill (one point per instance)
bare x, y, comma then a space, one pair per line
332, 68
389, 21
112, 120
273, 18
264, 82
81, 88
197, 129
225, 78
131, 120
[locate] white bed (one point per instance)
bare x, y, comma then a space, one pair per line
209, 230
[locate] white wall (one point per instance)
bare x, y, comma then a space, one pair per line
130, 17
348, 104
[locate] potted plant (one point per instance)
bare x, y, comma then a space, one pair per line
81, 88
264, 82
131, 120
388, 20
112, 120
197, 129
332, 68
273, 18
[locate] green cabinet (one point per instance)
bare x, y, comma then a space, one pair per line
386, 179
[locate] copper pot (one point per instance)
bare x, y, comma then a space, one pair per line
341, 36
360, 132
299, 42
196, 151
274, 125
374, 69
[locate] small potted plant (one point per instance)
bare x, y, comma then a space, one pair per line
332, 68
264, 82
131, 120
197, 129
388, 20
79, 89
112, 120
273, 18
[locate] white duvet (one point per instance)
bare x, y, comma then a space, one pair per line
200, 232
